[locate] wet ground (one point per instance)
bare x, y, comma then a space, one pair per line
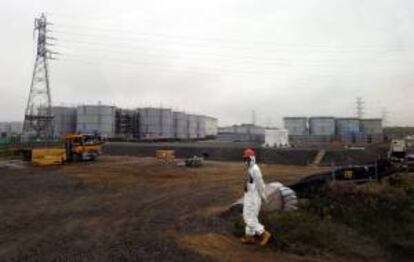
128, 209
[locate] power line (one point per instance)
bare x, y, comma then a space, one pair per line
268, 59
242, 60
193, 70
221, 45
221, 41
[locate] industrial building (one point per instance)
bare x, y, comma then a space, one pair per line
126, 124
275, 137
328, 129
211, 127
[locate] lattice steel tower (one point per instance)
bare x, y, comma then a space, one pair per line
38, 115
360, 107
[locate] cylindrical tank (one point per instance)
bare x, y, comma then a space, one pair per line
211, 126
192, 126
201, 127
371, 126
347, 126
166, 123
96, 118
180, 125
297, 126
155, 123
322, 126
64, 120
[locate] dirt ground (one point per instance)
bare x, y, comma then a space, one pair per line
128, 209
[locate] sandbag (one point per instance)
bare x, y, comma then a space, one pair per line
279, 198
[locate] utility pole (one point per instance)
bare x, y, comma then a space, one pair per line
359, 107
38, 115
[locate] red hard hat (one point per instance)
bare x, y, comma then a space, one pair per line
248, 153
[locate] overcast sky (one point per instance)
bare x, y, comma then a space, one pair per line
224, 58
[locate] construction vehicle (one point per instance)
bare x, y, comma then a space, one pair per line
82, 146
76, 147
194, 161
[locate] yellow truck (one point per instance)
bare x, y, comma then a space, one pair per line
76, 147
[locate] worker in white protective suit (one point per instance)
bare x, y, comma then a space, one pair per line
254, 192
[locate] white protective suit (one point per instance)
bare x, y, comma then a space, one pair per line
253, 195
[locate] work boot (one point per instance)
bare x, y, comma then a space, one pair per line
248, 240
264, 238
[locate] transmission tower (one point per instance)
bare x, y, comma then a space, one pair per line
384, 116
38, 115
359, 107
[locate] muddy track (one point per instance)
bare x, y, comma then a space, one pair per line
123, 209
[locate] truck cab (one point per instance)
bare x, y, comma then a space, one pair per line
398, 150
82, 146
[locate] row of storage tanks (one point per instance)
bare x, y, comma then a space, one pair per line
10, 128
330, 126
142, 123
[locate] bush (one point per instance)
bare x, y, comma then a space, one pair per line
380, 211
370, 221
306, 233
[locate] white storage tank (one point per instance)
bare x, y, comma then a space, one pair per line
276, 137
155, 123
64, 120
201, 127
96, 118
167, 130
192, 126
371, 126
180, 125
322, 126
297, 126
211, 127
347, 126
